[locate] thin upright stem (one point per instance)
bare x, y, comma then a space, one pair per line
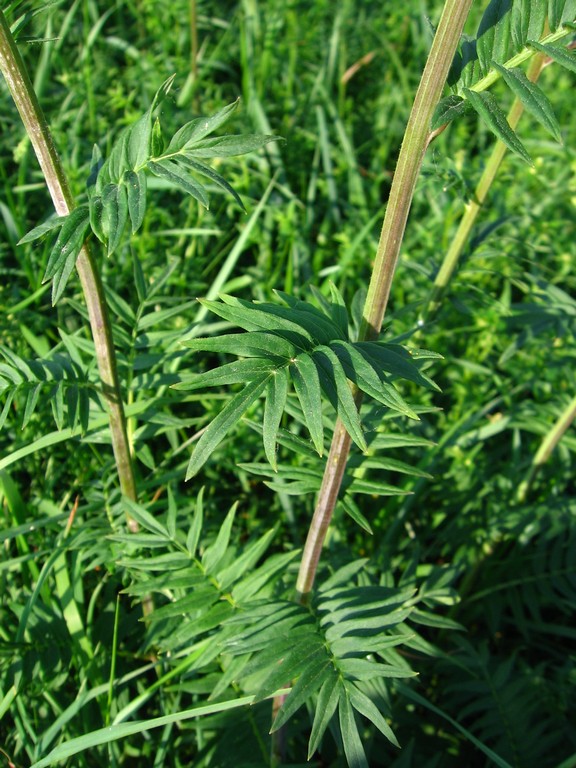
474, 205
548, 444
409, 162
22, 91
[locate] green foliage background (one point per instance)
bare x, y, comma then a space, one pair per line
336, 81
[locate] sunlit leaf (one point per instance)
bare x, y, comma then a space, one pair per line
136, 195
223, 423
493, 34
276, 394
307, 385
169, 170
487, 107
556, 52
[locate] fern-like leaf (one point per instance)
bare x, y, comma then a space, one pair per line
300, 343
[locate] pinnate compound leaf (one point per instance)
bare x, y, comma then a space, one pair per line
223, 423
532, 97
169, 170
486, 106
494, 34
556, 52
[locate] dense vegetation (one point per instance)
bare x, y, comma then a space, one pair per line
157, 627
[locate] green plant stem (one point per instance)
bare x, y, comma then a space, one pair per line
414, 146
473, 206
20, 86
547, 445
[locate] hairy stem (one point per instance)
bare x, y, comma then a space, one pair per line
409, 162
20, 86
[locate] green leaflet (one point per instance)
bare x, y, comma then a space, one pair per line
317, 671
198, 129
560, 11
532, 97
66, 249
325, 708
169, 170
237, 372
351, 740
205, 170
276, 394
362, 373
321, 327
223, 423
213, 555
493, 39
307, 385
487, 107
366, 707
255, 344
246, 561
229, 146
136, 195
353, 510
114, 215
42, 229
448, 109
558, 53
527, 21
261, 317
337, 388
